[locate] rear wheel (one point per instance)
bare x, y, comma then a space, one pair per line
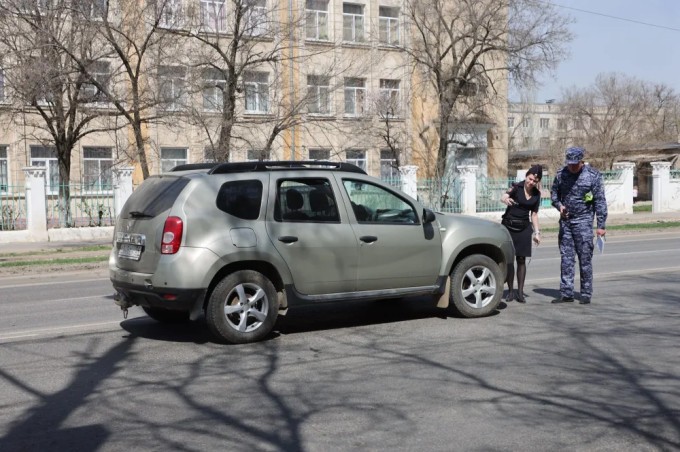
166, 315
243, 308
476, 286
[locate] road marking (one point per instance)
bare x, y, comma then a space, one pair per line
72, 329
599, 275
14, 286
605, 254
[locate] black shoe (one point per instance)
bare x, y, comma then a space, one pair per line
520, 298
585, 300
510, 296
563, 300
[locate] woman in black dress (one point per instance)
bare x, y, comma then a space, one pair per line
521, 220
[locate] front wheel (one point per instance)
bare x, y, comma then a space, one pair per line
242, 308
476, 286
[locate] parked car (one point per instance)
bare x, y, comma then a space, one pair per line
241, 243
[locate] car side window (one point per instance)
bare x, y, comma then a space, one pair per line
374, 204
307, 200
241, 198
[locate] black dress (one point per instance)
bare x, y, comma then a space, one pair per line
522, 211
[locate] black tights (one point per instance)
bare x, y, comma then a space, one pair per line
521, 275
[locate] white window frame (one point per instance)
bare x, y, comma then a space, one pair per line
101, 72
544, 123
355, 96
102, 166
353, 23
51, 165
256, 19
316, 20
214, 85
390, 94
357, 157
387, 169
319, 95
256, 84
511, 121
171, 14
526, 123
214, 15
169, 162
4, 168
388, 26
172, 78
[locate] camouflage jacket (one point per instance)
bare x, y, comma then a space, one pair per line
582, 194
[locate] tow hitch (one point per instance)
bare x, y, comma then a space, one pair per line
121, 301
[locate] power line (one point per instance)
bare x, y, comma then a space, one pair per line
609, 16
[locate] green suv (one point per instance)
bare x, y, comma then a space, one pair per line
242, 242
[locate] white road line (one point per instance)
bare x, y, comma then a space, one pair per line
606, 254
600, 275
14, 286
55, 330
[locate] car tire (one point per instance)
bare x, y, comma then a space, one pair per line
166, 315
476, 286
243, 308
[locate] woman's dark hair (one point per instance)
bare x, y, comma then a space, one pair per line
536, 170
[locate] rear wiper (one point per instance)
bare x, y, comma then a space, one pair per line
138, 214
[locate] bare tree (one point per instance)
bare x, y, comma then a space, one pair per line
466, 49
38, 40
619, 112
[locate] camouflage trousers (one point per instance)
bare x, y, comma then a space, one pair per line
576, 239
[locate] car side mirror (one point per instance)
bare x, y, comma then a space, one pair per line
428, 216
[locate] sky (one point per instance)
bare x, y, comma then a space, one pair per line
624, 36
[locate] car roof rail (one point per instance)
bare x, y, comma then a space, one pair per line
242, 167
193, 166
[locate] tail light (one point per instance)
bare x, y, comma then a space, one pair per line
172, 235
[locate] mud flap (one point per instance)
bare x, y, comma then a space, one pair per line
443, 301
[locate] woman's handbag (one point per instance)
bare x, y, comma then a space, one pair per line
513, 225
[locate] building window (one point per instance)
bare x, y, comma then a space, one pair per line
545, 143
256, 155
356, 157
388, 165
256, 17
172, 86
526, 123
171, 13
92, 9
318, 90
319, 154
526, 142
46, 156
355, 96
101, 73
511, 121
171, 157
388, 25
352, 22
213, 15
562, 124
4, 179
97, 164
544, 123
256, 88
214, 85
316, 22
390, 99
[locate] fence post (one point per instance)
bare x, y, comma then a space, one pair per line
661, 174
468, 188
409, 180
122, 187
36, 202
627, 171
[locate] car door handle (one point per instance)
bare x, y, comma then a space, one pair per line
368, 238
288, 239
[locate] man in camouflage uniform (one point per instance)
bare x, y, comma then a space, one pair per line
578, 193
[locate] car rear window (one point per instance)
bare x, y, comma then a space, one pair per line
241, 198
154, 196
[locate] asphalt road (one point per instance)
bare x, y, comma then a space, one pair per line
368, 376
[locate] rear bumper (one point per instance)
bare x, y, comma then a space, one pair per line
164, 298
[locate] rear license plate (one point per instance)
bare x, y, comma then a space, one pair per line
129, 251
